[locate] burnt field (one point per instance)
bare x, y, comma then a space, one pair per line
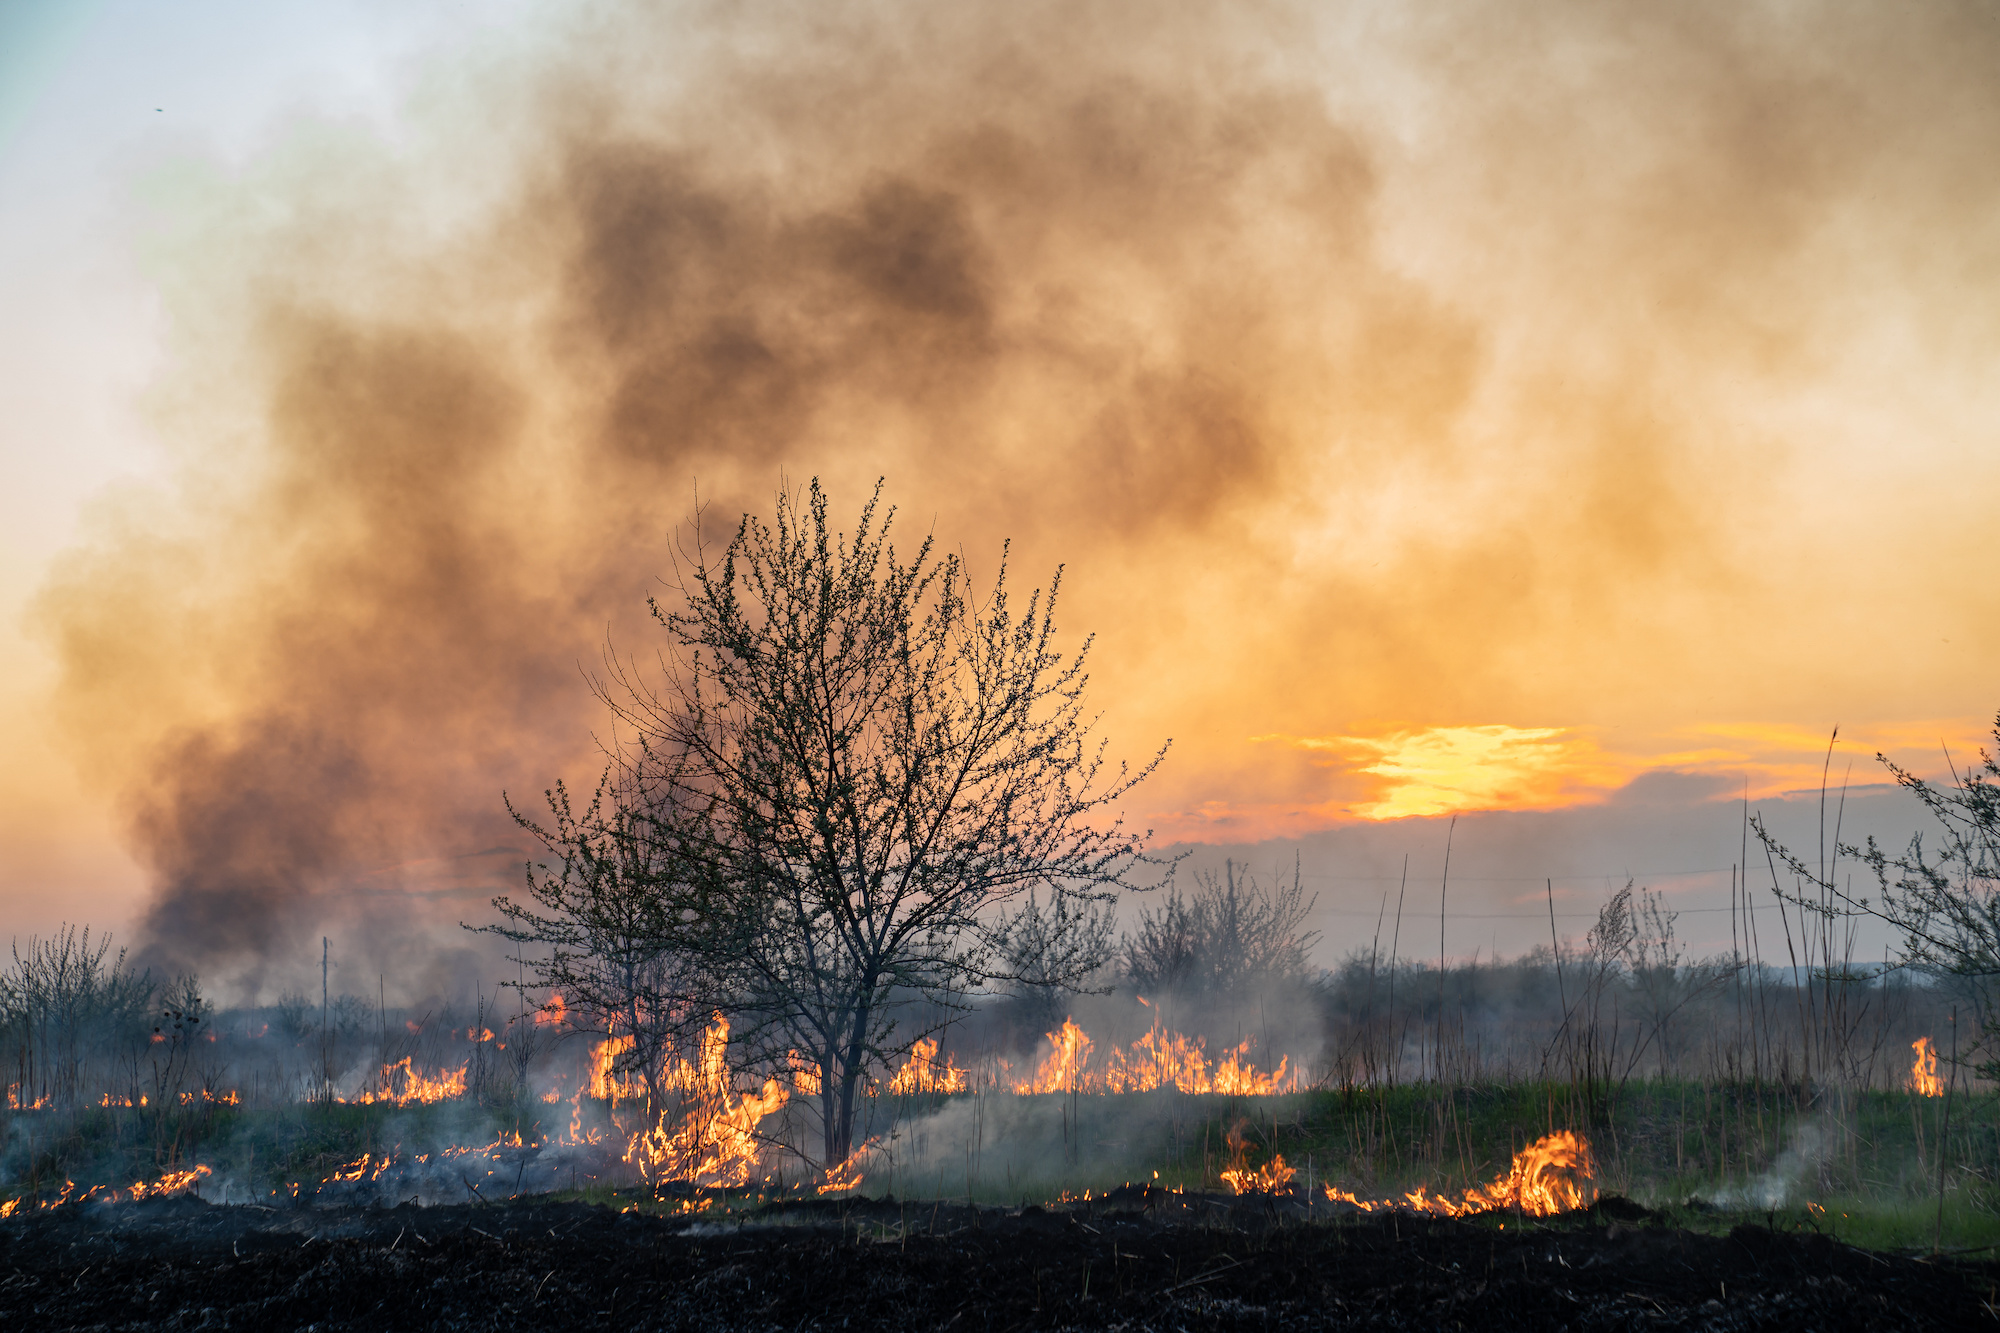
1140, 1260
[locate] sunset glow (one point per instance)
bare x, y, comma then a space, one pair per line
1444, 770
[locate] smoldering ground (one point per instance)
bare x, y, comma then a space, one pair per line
1360, 367
885, 1265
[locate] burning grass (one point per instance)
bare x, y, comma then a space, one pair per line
1084, 1119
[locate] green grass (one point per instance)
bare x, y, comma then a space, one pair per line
265, 1149
1858, 1166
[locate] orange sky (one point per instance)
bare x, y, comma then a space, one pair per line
1434, 414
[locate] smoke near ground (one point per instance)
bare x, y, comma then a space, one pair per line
1367, 371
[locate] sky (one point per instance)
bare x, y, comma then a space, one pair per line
1559, 416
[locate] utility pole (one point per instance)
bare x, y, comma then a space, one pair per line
325, 1077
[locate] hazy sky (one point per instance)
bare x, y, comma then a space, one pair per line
1442, 408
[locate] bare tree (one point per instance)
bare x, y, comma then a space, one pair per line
1230, 936
1164, 953
882, 762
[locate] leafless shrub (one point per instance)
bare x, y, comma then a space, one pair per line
70, 1017
1229, 937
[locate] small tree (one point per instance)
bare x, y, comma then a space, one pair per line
882, 763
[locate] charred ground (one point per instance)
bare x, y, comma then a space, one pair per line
1137, 1260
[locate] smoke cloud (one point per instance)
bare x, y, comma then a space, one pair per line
1495, 365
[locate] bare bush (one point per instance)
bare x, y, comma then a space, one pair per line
1942, 895
1052, 952
1229, 937
70, 1017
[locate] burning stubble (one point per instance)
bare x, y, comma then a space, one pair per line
1355, 378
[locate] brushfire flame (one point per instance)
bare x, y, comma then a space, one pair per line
1924, 1080
1554, 1174
924, 1073
1159, 1059
711, 1138
403, 1085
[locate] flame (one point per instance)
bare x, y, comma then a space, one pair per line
716, 1140
1554, 1174
1159, 1059
606, 1084
361, 1168
402, 1085
552, 1011
1063, 1069
805, 1074
847, 1176
1238, 1077
173, 1182
1271, 1178
924, 1074
1924, 1080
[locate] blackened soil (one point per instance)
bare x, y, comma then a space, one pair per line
184, 1265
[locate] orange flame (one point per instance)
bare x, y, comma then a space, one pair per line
1271, 1178
805, 1074
1924, 1080
1159, 1059
402, 1085
606, 1083
1063, 1069
552, 1011
716, 1142
847, 1176
924, 1074
171, 1183
1554, 1174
